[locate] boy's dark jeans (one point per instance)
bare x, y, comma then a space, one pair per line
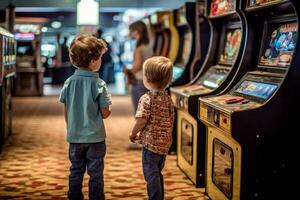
88, 156
152, 167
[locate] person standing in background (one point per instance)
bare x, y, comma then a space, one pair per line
65, 51
107, 67
138, 31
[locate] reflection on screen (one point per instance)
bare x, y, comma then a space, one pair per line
177, 72
232, 46
213, 80
257, 89
281, 46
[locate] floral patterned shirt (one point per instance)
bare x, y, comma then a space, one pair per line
157, 108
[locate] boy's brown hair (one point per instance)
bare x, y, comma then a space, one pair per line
159, 71
85, 48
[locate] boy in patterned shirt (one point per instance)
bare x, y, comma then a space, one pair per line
154, 123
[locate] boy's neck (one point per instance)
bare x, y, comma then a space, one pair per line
155, 90
86, 69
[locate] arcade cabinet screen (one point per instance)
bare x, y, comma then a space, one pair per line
219, 7
24, 48
232, 46
281, 45
260, 2
256, 89
177, 72
213, 80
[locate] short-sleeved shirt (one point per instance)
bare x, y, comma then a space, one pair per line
84, 94
157, 108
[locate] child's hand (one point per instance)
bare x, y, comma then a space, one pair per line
125, 70
132, 138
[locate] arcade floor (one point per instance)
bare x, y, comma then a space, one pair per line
34, 162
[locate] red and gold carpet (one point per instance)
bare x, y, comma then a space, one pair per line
34, 163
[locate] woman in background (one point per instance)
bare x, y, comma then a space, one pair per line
138, 31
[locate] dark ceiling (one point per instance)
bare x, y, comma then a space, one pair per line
65, 10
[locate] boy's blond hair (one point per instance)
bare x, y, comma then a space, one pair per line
158, 70
85, 48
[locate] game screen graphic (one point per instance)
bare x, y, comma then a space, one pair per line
232, 46
219, 7
213, 80
260, 2
281, 46
256, 89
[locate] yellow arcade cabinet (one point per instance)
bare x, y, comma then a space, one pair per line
220, 66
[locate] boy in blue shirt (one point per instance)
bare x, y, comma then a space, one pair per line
87, 102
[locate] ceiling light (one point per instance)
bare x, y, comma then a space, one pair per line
56, 24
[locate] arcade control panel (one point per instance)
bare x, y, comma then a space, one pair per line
250, 93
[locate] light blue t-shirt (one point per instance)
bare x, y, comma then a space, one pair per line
83, 94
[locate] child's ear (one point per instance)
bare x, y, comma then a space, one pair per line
93, 61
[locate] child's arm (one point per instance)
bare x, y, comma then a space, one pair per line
139, 125
66, 114
105, 112
141, 117
104, 101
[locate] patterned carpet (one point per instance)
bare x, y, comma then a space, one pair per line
34, 162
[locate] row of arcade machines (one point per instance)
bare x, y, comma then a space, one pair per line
30, 72
7, 73
176, 35
234, 117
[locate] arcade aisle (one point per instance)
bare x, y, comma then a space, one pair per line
34, 163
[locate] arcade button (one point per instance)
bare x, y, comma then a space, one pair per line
245, 101
234, 100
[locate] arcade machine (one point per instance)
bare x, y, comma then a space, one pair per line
150, 29
174, 44
202, 37
7, 71
161, 38
220, 66
165, 26
185, 24
29, 80
249, 145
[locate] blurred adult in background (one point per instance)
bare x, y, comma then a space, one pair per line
106, 71
138, 31
65, 51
